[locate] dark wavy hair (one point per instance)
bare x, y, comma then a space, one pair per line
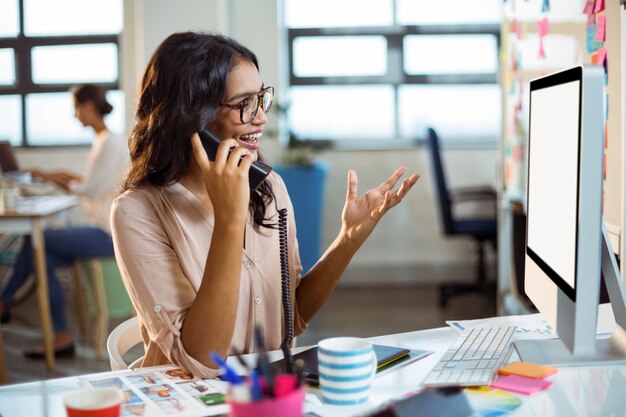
180, 93
96, 94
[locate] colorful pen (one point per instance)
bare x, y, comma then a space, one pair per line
255, 386
263, 364
229, 375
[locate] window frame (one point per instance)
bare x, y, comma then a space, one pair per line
396, 75
22, 46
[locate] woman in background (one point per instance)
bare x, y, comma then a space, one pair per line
106, 165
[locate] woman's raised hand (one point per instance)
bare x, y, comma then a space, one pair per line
361, 214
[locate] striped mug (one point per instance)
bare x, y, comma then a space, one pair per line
346, 368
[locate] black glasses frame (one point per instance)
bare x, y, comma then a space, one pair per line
260, 98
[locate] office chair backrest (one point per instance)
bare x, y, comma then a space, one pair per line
8, 161
443, 196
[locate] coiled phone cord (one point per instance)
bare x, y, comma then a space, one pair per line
285, 346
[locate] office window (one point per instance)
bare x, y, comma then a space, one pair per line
333, 13
356, 111
87, 63
11, 116
72, 17
455, 54
7, 66
9, 19
448, 12
45, 48
50, 119
307, 50
377, 70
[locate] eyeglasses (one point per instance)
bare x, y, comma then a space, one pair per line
249, 106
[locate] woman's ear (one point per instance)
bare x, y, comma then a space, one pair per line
91, 106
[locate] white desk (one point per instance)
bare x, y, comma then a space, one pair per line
584, 392
30, 218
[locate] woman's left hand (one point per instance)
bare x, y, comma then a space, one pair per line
361, 214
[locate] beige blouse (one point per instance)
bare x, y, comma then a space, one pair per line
162, 237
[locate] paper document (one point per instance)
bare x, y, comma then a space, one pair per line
169, 391
529, 326
164, 391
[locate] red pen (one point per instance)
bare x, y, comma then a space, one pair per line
284, 384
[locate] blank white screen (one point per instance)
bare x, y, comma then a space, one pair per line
553, 177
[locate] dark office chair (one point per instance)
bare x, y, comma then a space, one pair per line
482, 230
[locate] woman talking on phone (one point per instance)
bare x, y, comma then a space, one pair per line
198, 249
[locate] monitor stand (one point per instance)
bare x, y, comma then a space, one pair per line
610, 351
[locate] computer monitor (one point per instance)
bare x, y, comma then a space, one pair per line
566, 241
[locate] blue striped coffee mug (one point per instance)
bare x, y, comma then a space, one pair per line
346, 368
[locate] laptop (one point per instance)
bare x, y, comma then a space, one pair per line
10, 169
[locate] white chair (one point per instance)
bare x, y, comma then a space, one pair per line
121, 340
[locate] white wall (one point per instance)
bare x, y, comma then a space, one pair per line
408, 236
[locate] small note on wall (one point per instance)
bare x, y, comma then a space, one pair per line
592, 44
600, 28
544, 28
601, 56
599, 6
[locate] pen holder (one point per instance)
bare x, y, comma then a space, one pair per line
287, 406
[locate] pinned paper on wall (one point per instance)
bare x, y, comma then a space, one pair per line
599, 6
592, 44
545, 6
504, 50
588, 7
594, 58
507, 80
542, 52
601, 56
544, 27
518, 29
600, 28
514, 59
591, 19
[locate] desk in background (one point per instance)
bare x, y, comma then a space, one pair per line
584, 391
30, 218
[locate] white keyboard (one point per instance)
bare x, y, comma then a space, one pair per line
473, 358
45, 203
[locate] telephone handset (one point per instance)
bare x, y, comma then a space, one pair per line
258, 170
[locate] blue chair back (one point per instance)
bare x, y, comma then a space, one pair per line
443, 196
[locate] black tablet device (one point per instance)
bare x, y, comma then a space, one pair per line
386, 356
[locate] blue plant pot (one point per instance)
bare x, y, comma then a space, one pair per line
306, 189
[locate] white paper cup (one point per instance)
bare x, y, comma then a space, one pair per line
100, 402
346, 367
